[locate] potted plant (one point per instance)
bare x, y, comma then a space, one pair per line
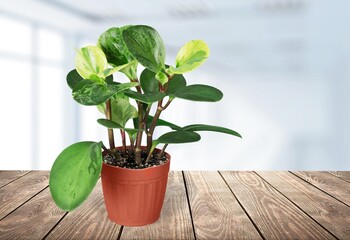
134, 177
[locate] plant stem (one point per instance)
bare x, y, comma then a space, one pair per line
122, 133
163, 151
154, 123
110, 131
139, 134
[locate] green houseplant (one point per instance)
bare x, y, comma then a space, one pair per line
77, 169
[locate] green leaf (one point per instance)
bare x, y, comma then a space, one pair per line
176, 83
73, 78
122, 111
89, 93
162, 78
199, 92
90, 63
148, 81
148, 98
161, 122
74, 174
178, 137
204, 127
112, 124
109, 123
146, 46
113, 45
193, 54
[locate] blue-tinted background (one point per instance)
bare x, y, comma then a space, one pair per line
283, 65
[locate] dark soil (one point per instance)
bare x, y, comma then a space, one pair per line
125, 161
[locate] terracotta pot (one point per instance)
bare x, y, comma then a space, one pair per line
134, 197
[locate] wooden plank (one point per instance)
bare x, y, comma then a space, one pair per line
175, 219
274, 215
215, 211
33, 220
89, 221
9, 176
330, 213
334, 186
19, 191
345, 175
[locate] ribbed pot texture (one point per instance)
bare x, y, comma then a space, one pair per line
134, 197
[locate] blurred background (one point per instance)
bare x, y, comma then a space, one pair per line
283, 66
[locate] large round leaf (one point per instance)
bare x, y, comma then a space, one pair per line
89, 93
112, 44
178, 137
199, 92
90, 63
146, 46
193, 54
73, 78
75, 173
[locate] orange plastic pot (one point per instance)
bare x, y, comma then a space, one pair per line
134, 197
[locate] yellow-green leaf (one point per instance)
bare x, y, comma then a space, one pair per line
193, 54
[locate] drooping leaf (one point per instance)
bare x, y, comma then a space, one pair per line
146, 46
193, 54
148, 81
113, 45
75, 173
161, 122
89, 93
148, 98
122, 111
176, 83
162, 78
205, 127
90, 63
178, 137
199, 92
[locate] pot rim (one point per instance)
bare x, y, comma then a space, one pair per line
167, 161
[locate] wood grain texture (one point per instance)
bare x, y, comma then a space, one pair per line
216, 213
274, 215
89, 221
334, 186
33, 220
19, 191
174, 221
345, 175
9, 176
327, 211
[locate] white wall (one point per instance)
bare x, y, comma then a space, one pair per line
284, 71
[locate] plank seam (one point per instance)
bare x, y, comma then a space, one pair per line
319, 189
58, 222
15, 179
24, 202
297, 206
189, 205
240, 204
334, 175
120, 232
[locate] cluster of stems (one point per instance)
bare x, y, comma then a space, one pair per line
135, 146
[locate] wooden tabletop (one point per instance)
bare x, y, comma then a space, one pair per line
198, 205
